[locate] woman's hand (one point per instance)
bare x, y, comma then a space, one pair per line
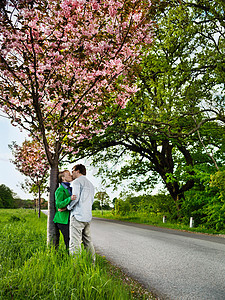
73, 197
62, 209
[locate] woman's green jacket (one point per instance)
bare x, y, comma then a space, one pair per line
62, 199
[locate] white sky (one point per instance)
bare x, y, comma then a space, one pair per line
8, 173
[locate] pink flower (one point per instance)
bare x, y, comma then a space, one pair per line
64, 67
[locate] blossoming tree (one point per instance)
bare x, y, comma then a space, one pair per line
63, 63
30, 160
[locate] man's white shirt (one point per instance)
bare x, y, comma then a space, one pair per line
81, 207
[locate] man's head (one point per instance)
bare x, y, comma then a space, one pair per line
65, 176
78, 170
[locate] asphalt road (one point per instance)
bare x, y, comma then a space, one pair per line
173, 264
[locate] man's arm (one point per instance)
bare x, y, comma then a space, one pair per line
76, 191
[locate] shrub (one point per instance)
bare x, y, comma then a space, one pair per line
122, 207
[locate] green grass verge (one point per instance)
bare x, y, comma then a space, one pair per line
31, 270
152, 219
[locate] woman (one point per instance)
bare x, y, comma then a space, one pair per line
63, 196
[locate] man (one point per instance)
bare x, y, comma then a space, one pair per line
63, 196
81, 211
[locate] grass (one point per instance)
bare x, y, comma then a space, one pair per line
31, 270
152, 219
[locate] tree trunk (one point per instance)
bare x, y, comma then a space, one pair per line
52, 231
39, 201
178, 205
176, 194
35, 206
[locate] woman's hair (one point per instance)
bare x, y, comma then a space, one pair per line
81, 168
61, 174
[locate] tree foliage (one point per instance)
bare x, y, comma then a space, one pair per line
6, 197
103, 199
160, 204
30, 159
180, 89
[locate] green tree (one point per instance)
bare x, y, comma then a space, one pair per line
6, 197
30, 160
160, 126
209, 27
104, 199
96, 205
215, 208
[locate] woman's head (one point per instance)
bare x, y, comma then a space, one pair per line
65, 176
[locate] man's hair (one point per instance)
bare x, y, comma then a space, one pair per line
81, 168
61, 174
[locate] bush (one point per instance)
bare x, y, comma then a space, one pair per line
147, 204
205, 202
122, 207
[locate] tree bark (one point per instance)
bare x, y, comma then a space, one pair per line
52, 231
39, 201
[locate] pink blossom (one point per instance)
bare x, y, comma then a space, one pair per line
64, 63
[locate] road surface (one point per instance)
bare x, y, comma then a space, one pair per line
172, 264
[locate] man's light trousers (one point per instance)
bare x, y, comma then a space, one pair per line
80, 232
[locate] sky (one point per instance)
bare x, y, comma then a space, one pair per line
8, 174
12, 178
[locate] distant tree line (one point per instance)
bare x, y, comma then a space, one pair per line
8, 199
205, 203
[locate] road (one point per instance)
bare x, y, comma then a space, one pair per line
173, 264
